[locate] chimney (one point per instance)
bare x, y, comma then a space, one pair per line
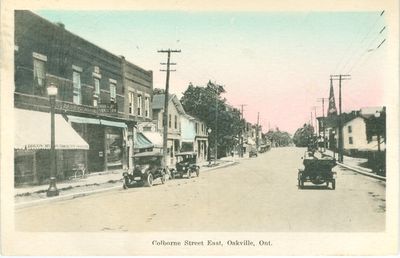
61, 25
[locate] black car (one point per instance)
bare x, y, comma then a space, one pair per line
186, 165
147, 168
317, 171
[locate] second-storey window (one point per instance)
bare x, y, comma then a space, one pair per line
131, 103
147, 106
176, 122
76, 79
39, 74
113, 92
96, 87
350, 140
349, 129
139, 105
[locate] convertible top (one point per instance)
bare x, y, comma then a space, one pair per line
148, 154
186, 153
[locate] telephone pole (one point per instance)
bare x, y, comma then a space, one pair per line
323, 118
166, 99
340, 77
315, 117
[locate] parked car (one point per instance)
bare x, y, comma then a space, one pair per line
253, 153
147, 168
186, 165
317, 171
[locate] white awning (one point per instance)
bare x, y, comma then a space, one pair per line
155, 138
32, 131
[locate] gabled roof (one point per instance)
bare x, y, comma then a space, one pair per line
158, 102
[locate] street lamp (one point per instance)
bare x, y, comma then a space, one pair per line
52, 191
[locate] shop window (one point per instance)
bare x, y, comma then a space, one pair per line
76, 79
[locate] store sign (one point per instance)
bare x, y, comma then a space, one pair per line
107, 108
74, 107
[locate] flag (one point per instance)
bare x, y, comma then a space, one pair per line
332, 111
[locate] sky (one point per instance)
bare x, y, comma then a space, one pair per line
276, 63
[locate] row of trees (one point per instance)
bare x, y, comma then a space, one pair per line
303, 135
208, 104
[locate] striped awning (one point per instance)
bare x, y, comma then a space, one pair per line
33, 132
141, 142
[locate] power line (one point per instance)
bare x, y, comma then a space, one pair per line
357, 50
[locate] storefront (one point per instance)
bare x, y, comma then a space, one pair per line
32, 146
107, 141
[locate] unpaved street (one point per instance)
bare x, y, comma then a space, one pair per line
259, 194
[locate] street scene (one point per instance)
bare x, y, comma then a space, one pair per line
231, 122
245, 197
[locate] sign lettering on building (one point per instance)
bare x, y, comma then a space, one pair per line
107, 108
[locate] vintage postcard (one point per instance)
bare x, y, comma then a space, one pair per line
199, 128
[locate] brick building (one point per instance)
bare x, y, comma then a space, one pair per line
100, 95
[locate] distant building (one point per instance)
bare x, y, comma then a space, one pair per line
355, 128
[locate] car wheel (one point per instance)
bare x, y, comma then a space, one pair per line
333, 184
149, 180
301, 184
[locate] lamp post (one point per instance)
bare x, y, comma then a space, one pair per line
209, 156
52, 191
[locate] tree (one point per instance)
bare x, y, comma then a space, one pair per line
303, 136
278, 138
202, 102
157, 91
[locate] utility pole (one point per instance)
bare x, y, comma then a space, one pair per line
340, 77
315, 117
257, 129
241, 131
166, 99
323, 118
216, 131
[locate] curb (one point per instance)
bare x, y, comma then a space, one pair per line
82, 194
362, 172
63, 197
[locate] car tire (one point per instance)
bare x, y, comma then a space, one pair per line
301, 184
149, 180
333, 184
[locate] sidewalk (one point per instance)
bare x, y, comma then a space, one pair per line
93, 183
355, 165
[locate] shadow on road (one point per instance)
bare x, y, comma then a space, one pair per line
315, 187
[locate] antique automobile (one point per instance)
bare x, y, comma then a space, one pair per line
253, 153
186, 165
147, 167
317, 171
